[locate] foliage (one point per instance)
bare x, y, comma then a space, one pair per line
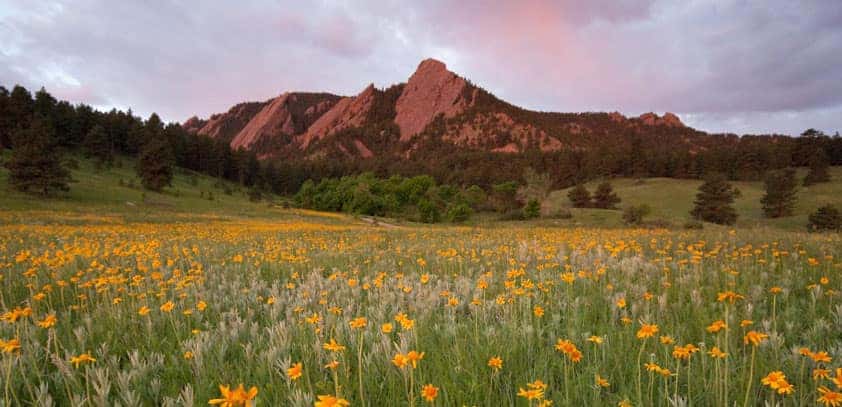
604, 197
459, 213
818, 173
532, 209
714, 201
155, 164
97, 144
634, 214
504, 196
781, 187
580, 197
825, 219
397, 196
36, 162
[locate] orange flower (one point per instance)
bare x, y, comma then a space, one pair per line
236, 397
716, 353
359, 322
429, 392
717, 326
647, 331
295, 372
331, 401
414, 357
83, 358
9, 346
400, 360
333, 346
829, 398
754, 337
495, 363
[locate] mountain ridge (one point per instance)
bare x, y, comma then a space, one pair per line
434, 105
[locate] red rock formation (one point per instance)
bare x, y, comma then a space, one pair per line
274, 118
348, 112
669, 119
430, 91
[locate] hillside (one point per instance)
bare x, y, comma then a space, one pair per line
115, 194
434, 105
441, 124
672, 200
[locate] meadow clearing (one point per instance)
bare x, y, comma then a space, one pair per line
320, 309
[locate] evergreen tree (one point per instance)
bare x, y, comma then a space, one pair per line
819, 164
5, 119
826, 218
579, 196
155, 164
19, 109
35, 165
781, 188
98, 145
714, 199
604, 197
532, 209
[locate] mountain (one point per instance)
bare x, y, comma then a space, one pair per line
435, 109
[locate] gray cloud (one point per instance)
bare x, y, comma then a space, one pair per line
730, 65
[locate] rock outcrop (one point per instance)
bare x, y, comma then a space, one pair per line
669, 119
348, 112
430, 91
393, 121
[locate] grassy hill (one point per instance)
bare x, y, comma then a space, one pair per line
115, 192
672, 199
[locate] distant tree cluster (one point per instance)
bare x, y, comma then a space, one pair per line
416, 198
714, 201
603, 198
41, 131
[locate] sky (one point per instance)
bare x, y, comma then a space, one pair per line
739, 66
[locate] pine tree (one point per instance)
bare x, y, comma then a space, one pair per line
155, 165
579, 196
781, 188
604, 197
826, 218
35, 165
714, 199
98, 145
819, 164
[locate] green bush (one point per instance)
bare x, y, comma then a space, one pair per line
825, 219
633, 215
532, 209
459, 213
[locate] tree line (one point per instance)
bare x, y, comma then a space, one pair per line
41, 130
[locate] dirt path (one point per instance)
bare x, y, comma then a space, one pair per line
376, 222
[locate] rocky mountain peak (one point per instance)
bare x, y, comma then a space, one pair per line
430, 91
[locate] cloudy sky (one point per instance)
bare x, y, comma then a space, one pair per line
740, 66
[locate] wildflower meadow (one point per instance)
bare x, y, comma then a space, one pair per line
329, 311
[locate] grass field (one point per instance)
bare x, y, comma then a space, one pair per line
162, 301
672, 200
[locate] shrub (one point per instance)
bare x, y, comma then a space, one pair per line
825, 219
633, 215
579, 196
429, 211
604, 197
459, 213
532, 209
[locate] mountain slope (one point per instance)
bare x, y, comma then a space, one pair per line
435, 109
